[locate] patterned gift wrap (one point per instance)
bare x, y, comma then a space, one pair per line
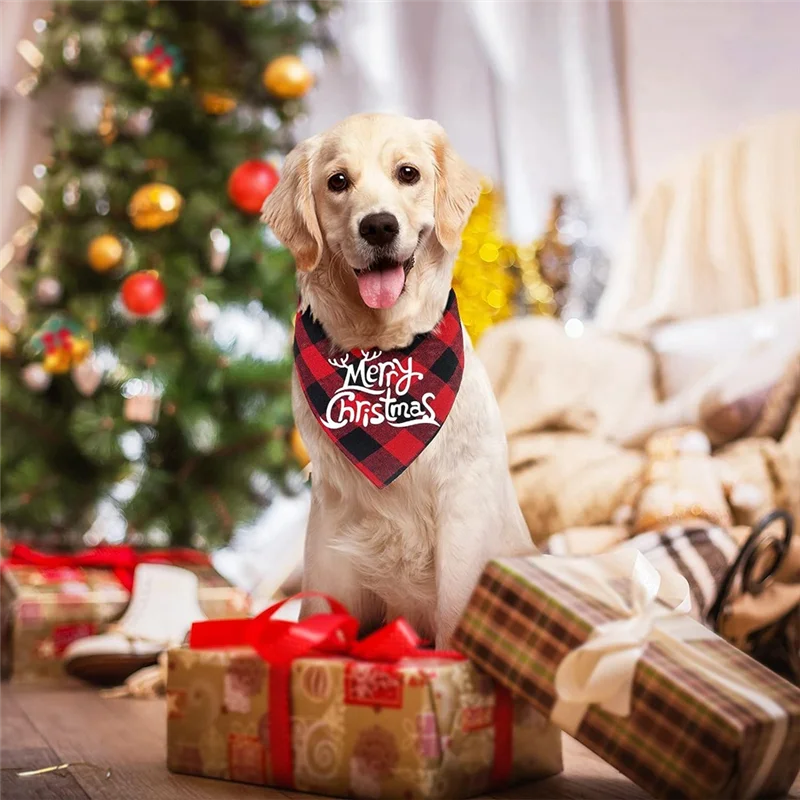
685, 735
45, 609
424, 728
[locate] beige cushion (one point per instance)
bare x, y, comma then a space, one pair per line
750, 346
545, 380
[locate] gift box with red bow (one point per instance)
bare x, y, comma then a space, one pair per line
605, 647
50, 600
305, 706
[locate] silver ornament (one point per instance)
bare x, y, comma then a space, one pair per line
36, 377
139, 123
48, 291
86, 107
87, 376
219, 251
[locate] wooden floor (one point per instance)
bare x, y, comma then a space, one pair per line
42, 728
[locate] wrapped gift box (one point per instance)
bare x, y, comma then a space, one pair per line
417, 728
605, 648
47, 606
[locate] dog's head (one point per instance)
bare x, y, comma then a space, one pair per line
373, 203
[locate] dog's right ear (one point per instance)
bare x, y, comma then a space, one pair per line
289, 210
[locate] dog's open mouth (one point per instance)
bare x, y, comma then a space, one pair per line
381, 285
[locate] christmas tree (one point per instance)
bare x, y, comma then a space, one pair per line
131, 380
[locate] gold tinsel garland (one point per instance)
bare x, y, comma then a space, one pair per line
493, 278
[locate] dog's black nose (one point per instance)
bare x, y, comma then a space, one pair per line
379, 229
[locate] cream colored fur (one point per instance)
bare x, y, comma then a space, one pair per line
415, 548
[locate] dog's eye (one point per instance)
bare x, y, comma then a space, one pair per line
408, 175
338, 182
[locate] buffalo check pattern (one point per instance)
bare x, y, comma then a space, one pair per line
684, 738
381, 451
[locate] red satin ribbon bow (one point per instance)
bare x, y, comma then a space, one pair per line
122, 559
280, 642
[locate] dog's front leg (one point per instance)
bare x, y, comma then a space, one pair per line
461, 551
331, 572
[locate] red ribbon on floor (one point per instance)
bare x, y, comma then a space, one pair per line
280, 642
122, 559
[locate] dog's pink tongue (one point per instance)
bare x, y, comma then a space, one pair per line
381, 288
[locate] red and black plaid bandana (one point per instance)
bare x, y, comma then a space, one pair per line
381, 408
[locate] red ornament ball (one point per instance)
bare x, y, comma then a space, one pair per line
143, 293
250, 184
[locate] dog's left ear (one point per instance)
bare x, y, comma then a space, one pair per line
290, 212
457, 189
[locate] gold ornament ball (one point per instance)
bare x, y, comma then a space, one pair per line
57, 363
154, 205
253, 3
288, 77
8, 342
105, 252
298, 448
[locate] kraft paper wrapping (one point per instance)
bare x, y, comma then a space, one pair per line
423, 728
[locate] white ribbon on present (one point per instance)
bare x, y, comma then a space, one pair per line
601, 671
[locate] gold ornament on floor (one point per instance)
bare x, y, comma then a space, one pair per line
217, 103
482, 277
154, 205
288, 77
298, 448
253, 3
105, 252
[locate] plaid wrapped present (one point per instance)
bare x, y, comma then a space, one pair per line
606, 649
361, 721
49, 601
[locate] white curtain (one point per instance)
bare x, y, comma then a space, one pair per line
527, 89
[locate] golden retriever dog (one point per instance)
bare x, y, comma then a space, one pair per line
373, 211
